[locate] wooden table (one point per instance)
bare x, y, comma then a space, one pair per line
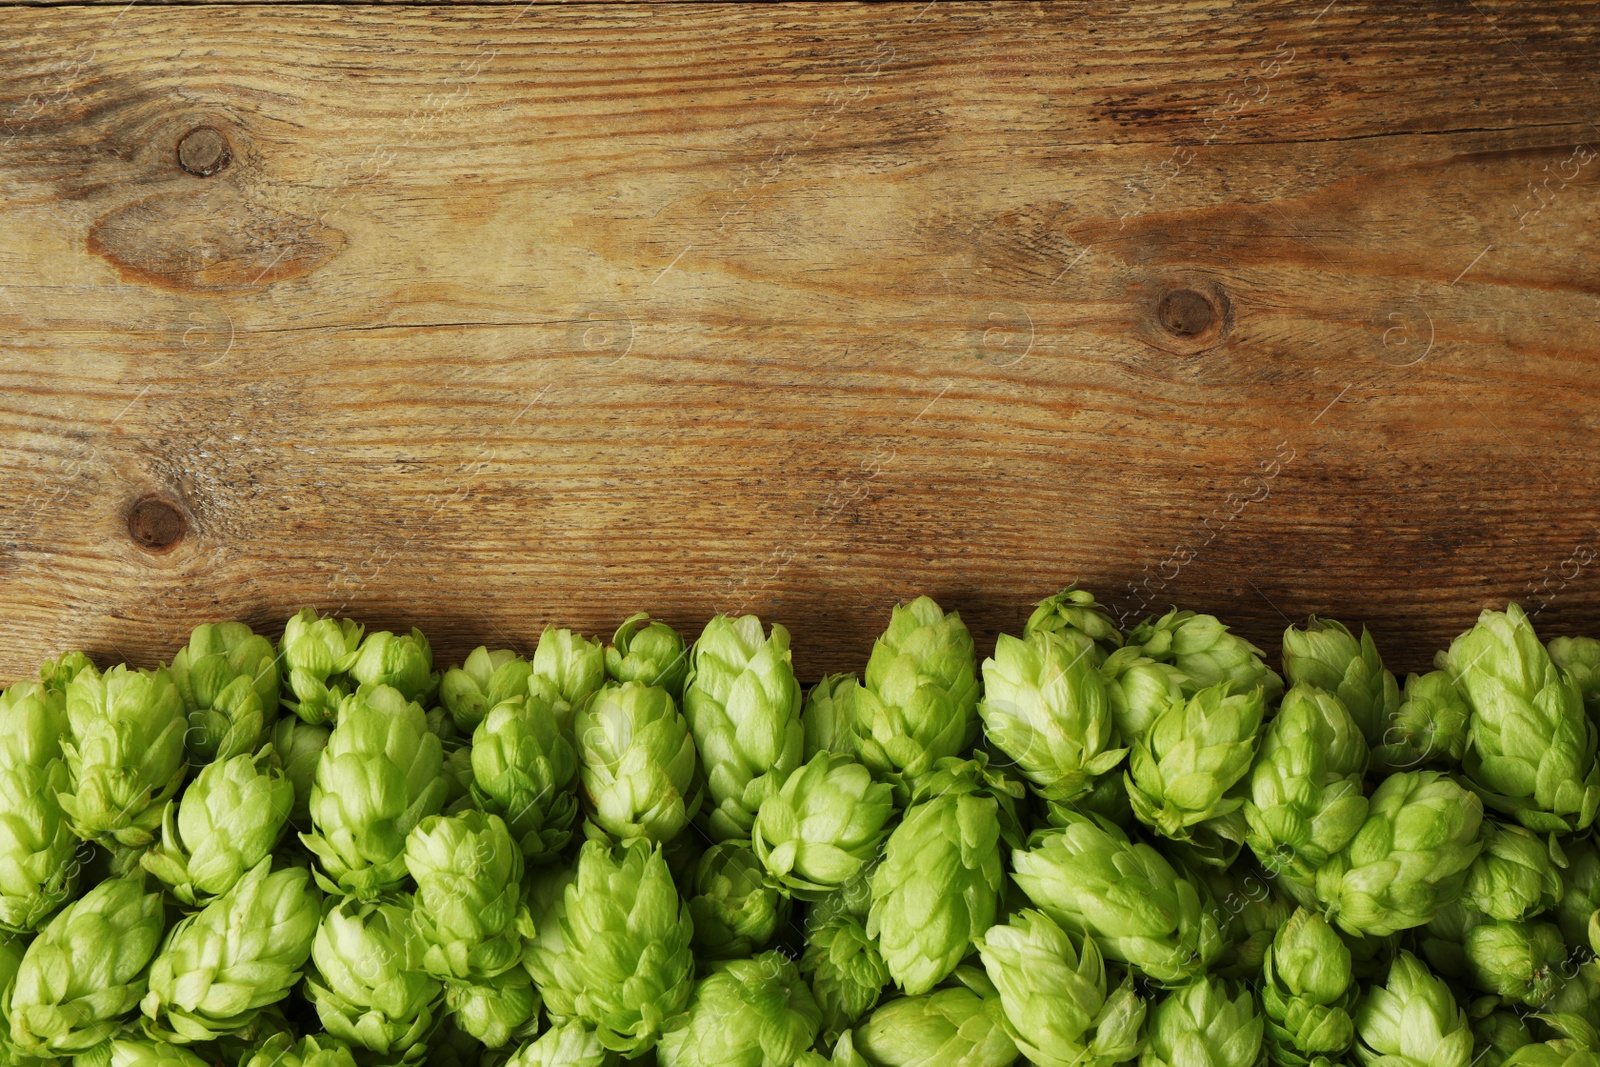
487, 316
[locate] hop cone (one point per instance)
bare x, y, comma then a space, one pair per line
493, 1011
368, 985
920, 697
1045, 706
85, 971
743, 705
486, 680
1305, 800
751, 1012
525, 770
1430, 726
229, 819
228, 678
281, 1050
1180, 771
614, 951
825, 824
1531, 747
1514, 876
380, 775
735, 913
1580, 889
1206, 654
1307, 993
1496, 1035
1411, 1021
637, 762
219, 968
1093, 881
567, 667
1057, 1009
126, 756
401, 662
1327, 656
315, 656
1250, 913
1520, 961
1138, 689
566, 1044
828, 720
1408, 859
298, 747
845, 968
36, 843
468, 906
939, 883
125, 1052
962, 1026
649, 652
1074, 611
1204, 1023
1579, 659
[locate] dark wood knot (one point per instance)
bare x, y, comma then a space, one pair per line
1189, 315
203, 151
1186, 313
156, 524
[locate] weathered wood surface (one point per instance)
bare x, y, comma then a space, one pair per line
486, 317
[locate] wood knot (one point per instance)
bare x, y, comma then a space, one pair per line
1189, 315
1186, 313
203, 151
156, 524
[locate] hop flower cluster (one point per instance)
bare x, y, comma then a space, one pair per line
1093, 847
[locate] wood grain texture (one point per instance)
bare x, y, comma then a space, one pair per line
497, 317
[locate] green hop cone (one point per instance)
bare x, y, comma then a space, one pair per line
298, 747
85, 971
1409, 858
229, 819
468, 906
1521, 961
1206, 1022
37, 874
567, 667
1496, 1034
315, 657
843, 965
825, 824
1249, 912
1307, 993
493, 1011
749, 1013
1074, 611
129, 1052
1411, 1021
636, 762
743, 706
961, 1026
380, 774
1429, 728
1180, 771
1305, 802
1057, 1008
1045, 706
1206, 654
228, 678
402, 662
1580, 889
126, 755
1442, 941
939, 883
220, 967
1088, 877
735, 912
484, 681
525, 769
1138, 689
1514, 876
1327, 656
828, 720
368, 985
920, 697
1531, 746
650, 652
1579, 659
565, 1044
612, 945
316, 1050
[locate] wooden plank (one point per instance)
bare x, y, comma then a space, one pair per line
490, 319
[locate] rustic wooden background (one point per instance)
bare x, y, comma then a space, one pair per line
485, 316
